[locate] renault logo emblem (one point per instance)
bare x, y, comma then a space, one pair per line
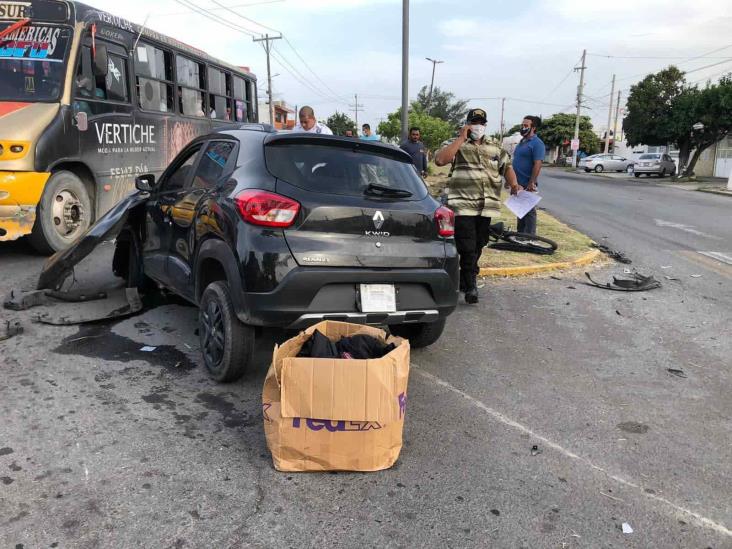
378, 220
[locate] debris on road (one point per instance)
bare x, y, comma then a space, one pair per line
12, 329
118, 304
677, 372
148, 349
627, 528
620, 257
666, 266
696, 276
611, 497
535, 450
638, 283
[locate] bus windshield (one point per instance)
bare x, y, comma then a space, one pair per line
32, 62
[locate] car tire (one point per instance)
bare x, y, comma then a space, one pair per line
637, 175
64, 213
422, 334
587, 170
663, 173
227, 345
599, 168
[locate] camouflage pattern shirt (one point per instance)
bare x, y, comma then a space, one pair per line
477, 178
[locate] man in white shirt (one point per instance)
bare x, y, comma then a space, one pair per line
309, 124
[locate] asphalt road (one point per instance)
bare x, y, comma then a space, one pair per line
103, 445
656, 225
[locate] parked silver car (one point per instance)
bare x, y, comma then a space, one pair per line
605, 163
659, 163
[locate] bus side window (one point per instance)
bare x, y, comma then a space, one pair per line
154, 78
219, 89
191, 85
116, 80
240, 96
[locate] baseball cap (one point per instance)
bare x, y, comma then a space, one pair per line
474, 114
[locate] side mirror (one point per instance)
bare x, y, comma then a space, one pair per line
145, 183
101, 61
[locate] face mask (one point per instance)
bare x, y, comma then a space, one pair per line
525, 131
477, 131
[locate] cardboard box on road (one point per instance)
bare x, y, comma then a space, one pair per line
335, 414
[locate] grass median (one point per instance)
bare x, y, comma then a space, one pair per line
572, 244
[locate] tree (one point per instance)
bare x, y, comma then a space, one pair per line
663, 110
558, 129
434, 130
443, 105
340, 122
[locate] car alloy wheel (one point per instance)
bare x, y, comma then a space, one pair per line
213, 338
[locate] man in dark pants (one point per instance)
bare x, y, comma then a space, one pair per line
527, 161
415, 148
475, 193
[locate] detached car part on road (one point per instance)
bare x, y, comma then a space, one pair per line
261, 229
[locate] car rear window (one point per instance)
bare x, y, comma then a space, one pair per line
339, 170
650, 157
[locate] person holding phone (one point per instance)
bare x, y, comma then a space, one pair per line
479, 165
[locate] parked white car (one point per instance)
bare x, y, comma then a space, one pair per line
605, 163
660, 164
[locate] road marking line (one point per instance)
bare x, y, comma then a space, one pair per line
702, 520
685, 228
719, 256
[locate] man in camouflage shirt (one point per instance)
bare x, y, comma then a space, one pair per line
480, 164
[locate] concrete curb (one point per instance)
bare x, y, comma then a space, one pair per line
586, 259
714, 191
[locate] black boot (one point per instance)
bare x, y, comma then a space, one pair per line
471, 296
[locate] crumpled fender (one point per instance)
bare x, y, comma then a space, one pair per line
60, 265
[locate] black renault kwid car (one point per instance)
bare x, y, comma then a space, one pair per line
267, 229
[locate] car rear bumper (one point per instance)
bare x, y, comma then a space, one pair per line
646, 169
307, 295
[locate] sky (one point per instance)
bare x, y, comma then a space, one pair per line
524, 51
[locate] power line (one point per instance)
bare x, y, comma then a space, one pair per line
309, 68
228, 8
214, 18
650, 57
219, 9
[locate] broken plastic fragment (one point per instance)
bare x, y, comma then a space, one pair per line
148, 349
627, 529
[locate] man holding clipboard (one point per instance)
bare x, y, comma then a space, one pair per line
527, 162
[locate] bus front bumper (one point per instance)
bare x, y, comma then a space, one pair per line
20, 193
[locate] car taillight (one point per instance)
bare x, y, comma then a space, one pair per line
266, 209
445, 219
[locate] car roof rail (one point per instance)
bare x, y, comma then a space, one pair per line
250, 126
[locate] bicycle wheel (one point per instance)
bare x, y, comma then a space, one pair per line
524, 242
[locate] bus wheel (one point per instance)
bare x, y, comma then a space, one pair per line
63, 214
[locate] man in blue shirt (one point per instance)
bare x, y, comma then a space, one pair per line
527, 162
415, 148
366, 134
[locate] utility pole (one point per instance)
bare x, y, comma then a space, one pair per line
405, 68
609, 117
432, 82
615, 127
580, 90
268, 48
355, 108
503, 104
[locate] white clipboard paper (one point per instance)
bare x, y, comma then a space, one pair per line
522, 203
